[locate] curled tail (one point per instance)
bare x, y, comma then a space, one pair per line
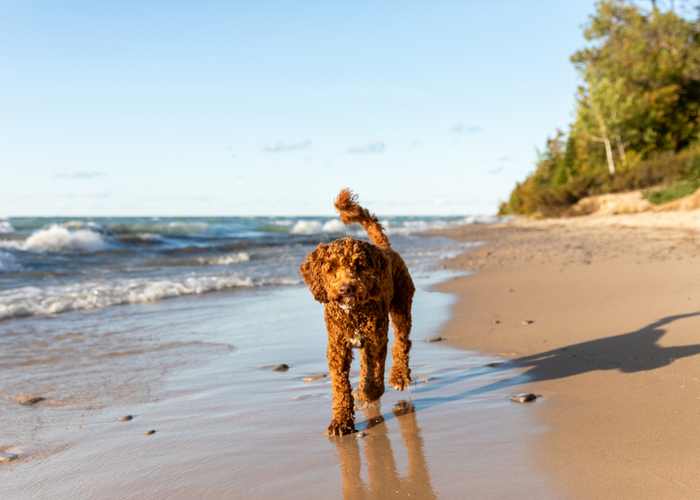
351, 212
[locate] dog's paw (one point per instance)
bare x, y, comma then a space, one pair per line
369, 394
400, 381
339, 428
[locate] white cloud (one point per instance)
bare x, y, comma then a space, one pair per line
79, 174
106, 194
368, 147
458, 128
278, 146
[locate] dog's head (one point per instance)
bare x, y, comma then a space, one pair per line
347, 271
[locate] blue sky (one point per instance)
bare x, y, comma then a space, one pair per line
271, 107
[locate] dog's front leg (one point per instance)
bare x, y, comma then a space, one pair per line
373, 362
339, 360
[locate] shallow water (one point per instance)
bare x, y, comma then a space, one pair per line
197, 370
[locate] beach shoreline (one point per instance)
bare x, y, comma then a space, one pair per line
600, 313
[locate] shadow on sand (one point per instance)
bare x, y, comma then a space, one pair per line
629, 353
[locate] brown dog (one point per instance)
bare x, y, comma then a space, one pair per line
361, 284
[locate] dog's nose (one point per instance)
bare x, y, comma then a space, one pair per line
345, 289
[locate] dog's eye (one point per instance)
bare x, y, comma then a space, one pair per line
331, 268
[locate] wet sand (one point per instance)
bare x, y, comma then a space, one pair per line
197, 370
613, 348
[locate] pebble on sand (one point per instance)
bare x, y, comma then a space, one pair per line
496, 321
527, 322
361, 434
148, 433
280, 368
32, 401
436, 339
523, 398
7, 457
493, 365
125, 418
315, 377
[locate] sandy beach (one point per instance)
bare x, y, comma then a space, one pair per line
612, 349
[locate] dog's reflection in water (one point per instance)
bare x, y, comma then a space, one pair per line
384, 478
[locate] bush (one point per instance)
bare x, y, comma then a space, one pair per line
672, 192
558, 183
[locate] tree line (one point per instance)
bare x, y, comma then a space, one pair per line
637, 117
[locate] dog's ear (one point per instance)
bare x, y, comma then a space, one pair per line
379, 262
311, 272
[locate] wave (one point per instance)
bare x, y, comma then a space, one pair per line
35, 301
316, 227
147, 238
211, 260
59, 239
224, 260
89, 225
6, 227
391, 226
175, 228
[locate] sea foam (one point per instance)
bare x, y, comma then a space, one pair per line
34, 301
307, 227
6, 227
224, 260
59, 239
316, 227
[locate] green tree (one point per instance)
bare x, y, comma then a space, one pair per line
657, 59
638, 106
603, 111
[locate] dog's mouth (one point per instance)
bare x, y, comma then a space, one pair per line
348, 301
350, 295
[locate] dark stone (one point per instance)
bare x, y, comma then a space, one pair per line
125, 418
280, 368
525, 397
436, 339
527, 322
496, 321
32, 401
493, 365
7, 457
149, 433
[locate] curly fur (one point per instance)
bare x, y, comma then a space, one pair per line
361, 285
